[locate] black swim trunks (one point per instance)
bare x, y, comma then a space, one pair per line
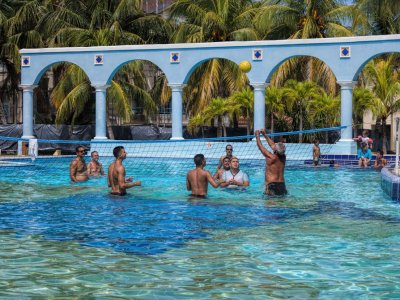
198, 196
118, 193
276, 189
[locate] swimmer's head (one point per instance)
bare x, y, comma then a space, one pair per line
94, 154
117, 151
199, 160
226, 163
280, 149
80, 150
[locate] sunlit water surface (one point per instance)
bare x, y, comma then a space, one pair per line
335, 236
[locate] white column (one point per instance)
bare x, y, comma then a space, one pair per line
101, 112
259, 104
27, 111
176, 89
346, 110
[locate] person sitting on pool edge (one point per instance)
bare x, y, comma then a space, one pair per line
364, 155
78, 168
234, 177
95, 168
229, 151
226, 165
197, 179
380, 161
116, 174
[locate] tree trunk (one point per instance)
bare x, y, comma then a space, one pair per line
219, 127
384, 137
301, 126
109, 130
272, 122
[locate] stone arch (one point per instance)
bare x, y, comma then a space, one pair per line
121, 64
44, 69
282, 61
362, 65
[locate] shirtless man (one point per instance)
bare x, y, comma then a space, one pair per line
234, 177
78, 169
316, 153
197, 179
229, 151
275, 165
116, 174
226, 165
95, 168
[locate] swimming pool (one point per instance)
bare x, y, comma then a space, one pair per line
335, 236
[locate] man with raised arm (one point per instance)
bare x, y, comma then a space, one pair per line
275, 165
78, 168
116, 174
197, 179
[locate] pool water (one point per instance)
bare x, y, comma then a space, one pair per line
335, 236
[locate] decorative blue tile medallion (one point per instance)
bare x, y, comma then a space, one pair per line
257, 54
175, 58
344, 51
98, 59
25, 61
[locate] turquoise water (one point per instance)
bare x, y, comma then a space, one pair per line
335, 236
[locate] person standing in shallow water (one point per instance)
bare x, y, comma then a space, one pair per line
275, 165
78, 168
95, 168
197, 179
116, 174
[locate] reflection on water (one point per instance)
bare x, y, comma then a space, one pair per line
330, 238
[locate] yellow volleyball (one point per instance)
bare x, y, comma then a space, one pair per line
245, 66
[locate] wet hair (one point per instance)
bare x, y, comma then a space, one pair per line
229, 145
93, 152
117, 150
198, 159
79, 147
280, 148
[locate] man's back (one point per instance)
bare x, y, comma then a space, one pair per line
275, 169
198, 181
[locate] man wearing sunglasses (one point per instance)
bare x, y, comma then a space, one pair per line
78, 168
229, 151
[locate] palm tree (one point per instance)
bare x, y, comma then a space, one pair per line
363, 100
274, 102
297, 95
110, 23
218, 109
295, 19
324, 111
241, 104
213, 21
381, 15
383, 77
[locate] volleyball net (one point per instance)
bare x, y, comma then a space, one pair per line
154, 154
